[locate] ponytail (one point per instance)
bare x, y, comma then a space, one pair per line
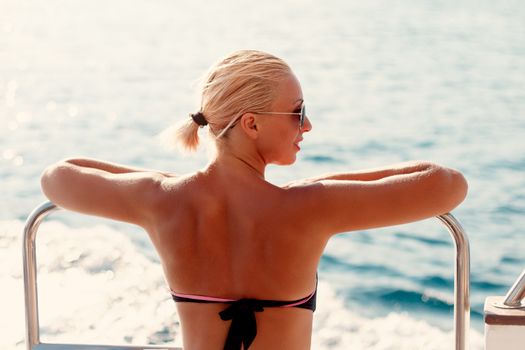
186, 134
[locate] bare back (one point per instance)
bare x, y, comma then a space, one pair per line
237, 238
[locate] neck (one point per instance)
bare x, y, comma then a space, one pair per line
239, 162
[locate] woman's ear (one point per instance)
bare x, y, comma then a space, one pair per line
249, 125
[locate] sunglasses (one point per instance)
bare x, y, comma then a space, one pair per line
301, 114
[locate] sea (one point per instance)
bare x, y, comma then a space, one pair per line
384, 81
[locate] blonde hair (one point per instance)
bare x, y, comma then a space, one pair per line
244, 81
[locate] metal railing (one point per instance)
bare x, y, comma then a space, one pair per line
461, 287
30, 291
515, 297
461, 281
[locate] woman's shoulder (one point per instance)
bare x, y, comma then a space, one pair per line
184, 189
302, 188
172, 182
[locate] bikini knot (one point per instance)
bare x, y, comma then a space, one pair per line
243, 328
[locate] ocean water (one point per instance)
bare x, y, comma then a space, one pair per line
384, 81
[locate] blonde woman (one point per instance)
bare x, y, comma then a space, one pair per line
239, 253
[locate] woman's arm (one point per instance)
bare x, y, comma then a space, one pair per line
104, 189
369, 174
384, 197
113, 168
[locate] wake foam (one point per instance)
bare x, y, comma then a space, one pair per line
96, 286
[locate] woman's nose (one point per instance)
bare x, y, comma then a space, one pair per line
307, 126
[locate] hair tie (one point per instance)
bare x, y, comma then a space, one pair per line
199, 119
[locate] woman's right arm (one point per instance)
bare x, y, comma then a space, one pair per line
384, 197
371, 174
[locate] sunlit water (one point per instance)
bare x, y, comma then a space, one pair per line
383, 82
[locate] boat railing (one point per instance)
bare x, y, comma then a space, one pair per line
516, 294
31, 295
461, 287
461, 281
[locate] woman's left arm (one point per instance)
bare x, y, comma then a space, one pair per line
104, 189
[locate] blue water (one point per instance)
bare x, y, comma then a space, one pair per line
384, 82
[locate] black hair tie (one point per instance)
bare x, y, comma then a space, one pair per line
199, 119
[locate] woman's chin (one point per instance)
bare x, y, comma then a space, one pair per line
286, 161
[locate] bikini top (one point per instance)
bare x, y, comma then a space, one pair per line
241, 312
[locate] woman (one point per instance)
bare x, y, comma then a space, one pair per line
239, 253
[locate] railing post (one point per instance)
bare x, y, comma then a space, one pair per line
30, 267
505, 318
31, 298
516, 293
461, 281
